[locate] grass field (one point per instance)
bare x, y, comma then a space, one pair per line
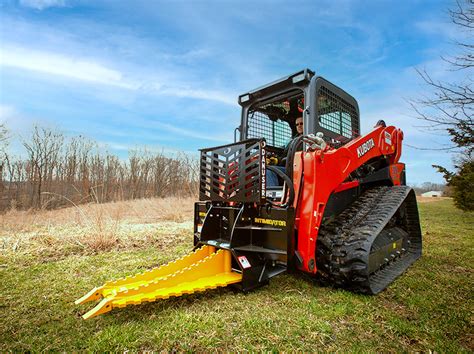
50, 258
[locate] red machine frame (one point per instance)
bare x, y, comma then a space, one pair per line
327, 171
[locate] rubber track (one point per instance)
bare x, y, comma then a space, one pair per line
344, 244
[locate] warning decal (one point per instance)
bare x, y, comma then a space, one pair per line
244, 262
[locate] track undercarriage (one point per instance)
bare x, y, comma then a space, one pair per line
372, 242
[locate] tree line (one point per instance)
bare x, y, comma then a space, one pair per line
57, 171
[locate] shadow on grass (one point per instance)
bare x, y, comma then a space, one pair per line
142, 313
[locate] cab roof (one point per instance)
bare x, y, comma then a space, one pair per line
299, 78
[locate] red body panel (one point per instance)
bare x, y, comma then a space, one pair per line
346, 185
325, 172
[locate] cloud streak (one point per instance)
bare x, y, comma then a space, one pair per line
92, 71
42, 4
189, 133
57, 64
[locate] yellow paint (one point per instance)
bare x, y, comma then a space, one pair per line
272, 222
202, 214
203, 269
394, 245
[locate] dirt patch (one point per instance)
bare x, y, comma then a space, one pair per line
468, 342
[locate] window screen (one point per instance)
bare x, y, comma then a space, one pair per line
270, 121
337, 115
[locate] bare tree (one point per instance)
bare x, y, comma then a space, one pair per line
451, 107
3, 156
58, 171
3, 134
43, 151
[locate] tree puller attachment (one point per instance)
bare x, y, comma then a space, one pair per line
325, 201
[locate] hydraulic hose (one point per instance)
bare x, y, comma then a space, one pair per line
289, 183
290, 157
287, 176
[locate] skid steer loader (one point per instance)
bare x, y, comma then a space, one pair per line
341, 210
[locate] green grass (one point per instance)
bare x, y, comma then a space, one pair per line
430, 307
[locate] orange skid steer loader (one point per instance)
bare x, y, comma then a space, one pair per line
339, 210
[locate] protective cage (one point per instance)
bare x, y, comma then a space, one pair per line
337, 112
234, 172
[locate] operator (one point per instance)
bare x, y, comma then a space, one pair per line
299, 132
272, 178
299, 126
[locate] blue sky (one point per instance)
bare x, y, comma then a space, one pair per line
166, 74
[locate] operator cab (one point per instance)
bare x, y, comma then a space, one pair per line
270, 111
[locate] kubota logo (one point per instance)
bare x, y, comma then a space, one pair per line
365, 147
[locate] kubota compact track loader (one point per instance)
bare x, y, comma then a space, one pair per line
342, 212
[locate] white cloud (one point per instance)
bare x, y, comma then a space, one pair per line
93, 71
42, 4
200, 94
442, 29
6, 113
187, 56
15, 121
57, 64
189, 133
19, 122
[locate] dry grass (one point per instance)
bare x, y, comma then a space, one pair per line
91, 228
420, 199
95, 227
140, 211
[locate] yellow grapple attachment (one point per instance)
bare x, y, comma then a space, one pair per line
201, 270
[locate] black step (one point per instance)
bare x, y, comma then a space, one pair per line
225, 208
275, 271
253, 248
218, 242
